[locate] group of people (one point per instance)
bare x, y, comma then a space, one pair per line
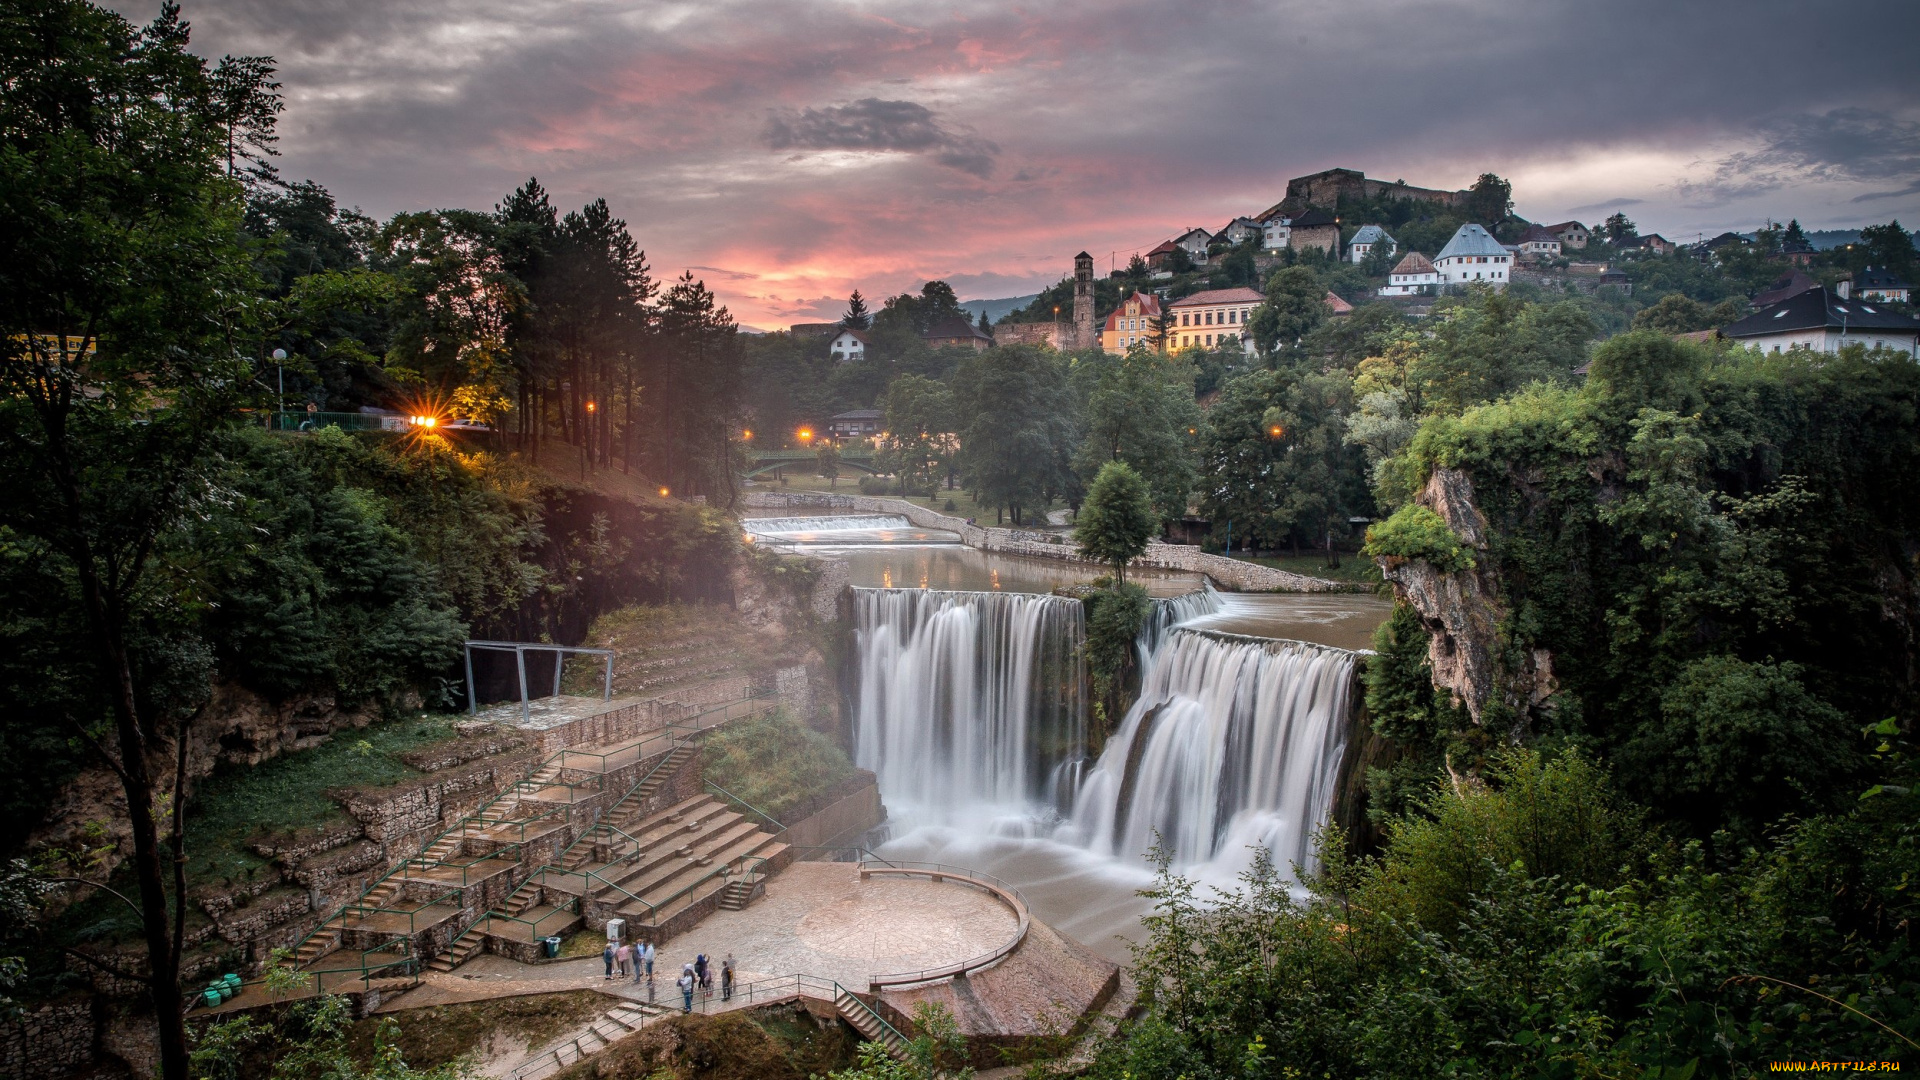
698, 975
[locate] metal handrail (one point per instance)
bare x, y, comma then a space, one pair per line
1003, 891
406, 869
491, 916
777, 827
860, 854
412, 914
592, 876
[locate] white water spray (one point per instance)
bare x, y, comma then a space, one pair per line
969, 703
801, 526
1234, 743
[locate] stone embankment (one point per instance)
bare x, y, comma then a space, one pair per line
1228, 573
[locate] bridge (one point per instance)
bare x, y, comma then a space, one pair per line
762, 462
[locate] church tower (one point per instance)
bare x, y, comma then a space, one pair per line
1083, 335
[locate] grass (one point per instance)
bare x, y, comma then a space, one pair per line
662, 646
289, 793
780, 1043
773, 763
963, 504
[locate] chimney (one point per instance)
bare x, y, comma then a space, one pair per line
1844, 289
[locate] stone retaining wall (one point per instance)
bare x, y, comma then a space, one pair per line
52, 1040
1229, 573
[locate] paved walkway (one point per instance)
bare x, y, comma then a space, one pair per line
817, 918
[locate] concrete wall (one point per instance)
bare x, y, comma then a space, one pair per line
855, 812
1228, 573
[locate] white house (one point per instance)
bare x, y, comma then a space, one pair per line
848, 345
1414, 275
1540, 242
1195, 242
1239, 229
1363, 241
1473, 255
1276, 231
1822, 320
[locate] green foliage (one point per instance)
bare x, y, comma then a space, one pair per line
1490, 201
920, 429
1118, 519
1114, 617
1534, 926
1415, 532
1140, 410
1295, 305
938, 1052
310, 1039
1017, 427
775, 763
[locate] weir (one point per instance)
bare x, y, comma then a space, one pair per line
792, 526
971, 709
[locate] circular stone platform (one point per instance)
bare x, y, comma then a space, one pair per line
821, 919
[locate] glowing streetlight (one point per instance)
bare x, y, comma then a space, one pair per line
747, 434
424, 421
591, 406
663, 493
1276, 431
806, 435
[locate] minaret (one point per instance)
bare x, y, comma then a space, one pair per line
1083, 336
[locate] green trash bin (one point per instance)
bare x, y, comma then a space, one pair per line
231, 980
211, 998
552, 947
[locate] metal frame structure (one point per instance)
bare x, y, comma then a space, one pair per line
519, 650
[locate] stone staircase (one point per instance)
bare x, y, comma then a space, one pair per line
669, 862
471, 942
739, 893
327, 937
628, 808
868, 1023
615, 1024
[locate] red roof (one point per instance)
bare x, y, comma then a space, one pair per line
1149, 308
1337, 305
1415, 263
1166, 247
1219, 296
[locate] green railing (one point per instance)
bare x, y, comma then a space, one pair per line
418, 869
778, 828
514, 827
533, 927
412, 915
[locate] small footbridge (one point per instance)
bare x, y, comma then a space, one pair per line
763, 462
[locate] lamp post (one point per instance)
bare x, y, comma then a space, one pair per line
280, 366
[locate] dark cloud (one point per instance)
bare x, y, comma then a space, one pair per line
874, 124
1000, 128
1847, 144
1610, 204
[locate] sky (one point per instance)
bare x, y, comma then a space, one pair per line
787, 153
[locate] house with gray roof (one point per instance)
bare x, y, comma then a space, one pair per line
1823, 320
1364, 240
1473, 255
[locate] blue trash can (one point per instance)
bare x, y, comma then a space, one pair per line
552, 947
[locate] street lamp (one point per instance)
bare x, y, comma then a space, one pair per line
280, 365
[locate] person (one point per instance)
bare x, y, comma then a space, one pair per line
649, 961
620, 957
700, 969
639, 960
686, 989
607, 955
726, 978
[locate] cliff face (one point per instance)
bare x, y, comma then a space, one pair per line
1466, 615
239, 727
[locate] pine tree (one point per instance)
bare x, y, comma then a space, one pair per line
857, 316
1118, 519
986, 324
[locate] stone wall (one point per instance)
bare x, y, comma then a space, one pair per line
48, 1041
1030, 333
855, 812
1229, 573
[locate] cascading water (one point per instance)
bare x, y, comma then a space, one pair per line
792, 526
1234, 743
968, 702
969, 709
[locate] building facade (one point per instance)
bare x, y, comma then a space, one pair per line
1413, 275
1211, 319
1824, 321
848, 346
1473, 255
1572, 234
1131, 324
1363, 243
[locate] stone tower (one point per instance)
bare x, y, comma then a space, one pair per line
1083, 335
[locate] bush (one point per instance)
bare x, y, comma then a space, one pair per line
1415, 532
774, 764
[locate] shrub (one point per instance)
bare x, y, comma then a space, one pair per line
774, 763
1415, 532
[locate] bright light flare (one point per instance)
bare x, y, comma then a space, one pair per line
806, 434
663, 493
424, 421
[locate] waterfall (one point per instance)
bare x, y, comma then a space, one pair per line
969, 706
968, 700
1235, 742
834, 523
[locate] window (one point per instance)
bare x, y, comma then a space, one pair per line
1233, 316
1208, 316
1209, 340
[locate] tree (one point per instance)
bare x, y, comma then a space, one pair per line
1617, 228
920, 424
1296, 303
1890, 246
1118, 519
124, 306
1490, 200
1140, 410
827, 457
1017, 427
1319, 479
1676, 313
857, 316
